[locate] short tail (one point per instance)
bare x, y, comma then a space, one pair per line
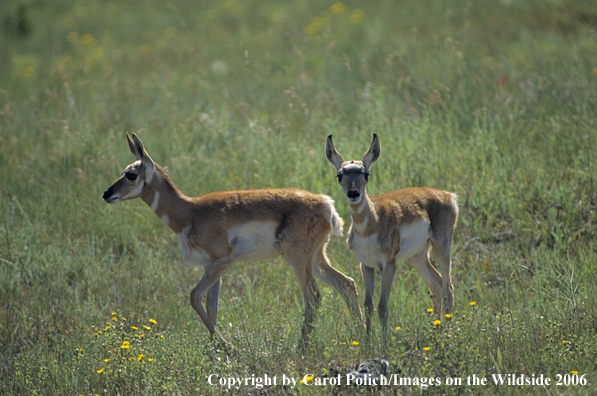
454, 208
335, 219
337, 223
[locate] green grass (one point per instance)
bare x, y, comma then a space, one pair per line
494, 100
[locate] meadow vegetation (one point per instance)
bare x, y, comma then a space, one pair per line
493, 100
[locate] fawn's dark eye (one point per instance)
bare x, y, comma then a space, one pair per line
366, 176
131, 176
339, 176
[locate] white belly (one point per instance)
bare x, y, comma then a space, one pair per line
254, 241
251, 242
192, 256
413, 238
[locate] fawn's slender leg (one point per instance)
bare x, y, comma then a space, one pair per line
431, 276
213, 299
369, 276
342, 283
387, 279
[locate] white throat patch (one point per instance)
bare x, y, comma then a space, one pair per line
156, 201
361, 227
149, 173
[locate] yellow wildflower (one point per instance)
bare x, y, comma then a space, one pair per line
89, 40
357, 16
125, 345
153, 321
101, 370
310, 30
337, 8
436, 322
306, 379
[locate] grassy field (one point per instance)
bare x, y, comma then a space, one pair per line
493, 100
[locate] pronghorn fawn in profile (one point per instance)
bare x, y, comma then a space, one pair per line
401, 224
217, 229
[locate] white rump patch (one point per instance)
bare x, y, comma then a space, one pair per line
255, 240
413, 238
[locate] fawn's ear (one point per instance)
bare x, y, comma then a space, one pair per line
332, 154
372, 154
139, 152
136, 146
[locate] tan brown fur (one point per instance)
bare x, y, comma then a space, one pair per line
219, 228
419, 218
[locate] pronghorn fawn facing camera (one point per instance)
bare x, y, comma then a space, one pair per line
401, 224
217, 229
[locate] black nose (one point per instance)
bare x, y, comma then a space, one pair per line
107, 194
353, 193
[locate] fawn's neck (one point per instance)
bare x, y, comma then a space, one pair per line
363, 214
167, 201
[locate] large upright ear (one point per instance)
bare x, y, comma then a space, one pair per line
332, 155
136, 147
372, 154
139, 152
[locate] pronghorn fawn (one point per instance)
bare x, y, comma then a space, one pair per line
219, 228
401, 224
